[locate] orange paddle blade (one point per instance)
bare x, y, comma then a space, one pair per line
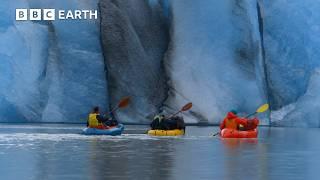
187, 107
124, 102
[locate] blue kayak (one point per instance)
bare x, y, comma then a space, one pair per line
112, 131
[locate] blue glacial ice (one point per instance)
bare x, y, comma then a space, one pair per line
292, 58
51, 71
220, 55
135, 39
214, 58
292, 47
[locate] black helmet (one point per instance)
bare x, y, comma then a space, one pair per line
96, 109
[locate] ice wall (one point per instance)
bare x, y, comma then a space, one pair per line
215, 58
22, 46
135, 39
305, 111
292, 56
220, 55
291, 46
50, 71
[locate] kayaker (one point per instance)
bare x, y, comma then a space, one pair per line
95, 120
176, 122
158, 122
110, 120
232, 121
181, 124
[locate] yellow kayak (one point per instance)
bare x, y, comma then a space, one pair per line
175, 132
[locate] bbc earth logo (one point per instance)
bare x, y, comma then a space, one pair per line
53, 14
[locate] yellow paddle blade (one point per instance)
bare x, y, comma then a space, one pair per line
263, 108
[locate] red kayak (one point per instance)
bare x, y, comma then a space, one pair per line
232, 133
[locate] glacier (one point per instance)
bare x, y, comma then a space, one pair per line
221, 55
292, 56
52, 72
135, 38
214, 58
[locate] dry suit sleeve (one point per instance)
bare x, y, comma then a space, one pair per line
101, 119
222, 125
242, 121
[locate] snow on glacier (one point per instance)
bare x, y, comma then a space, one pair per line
214, 58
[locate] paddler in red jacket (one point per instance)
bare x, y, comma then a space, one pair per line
232, 121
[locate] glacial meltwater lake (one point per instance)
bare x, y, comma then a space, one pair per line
42, 151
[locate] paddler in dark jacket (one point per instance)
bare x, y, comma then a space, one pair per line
158, 122
176, 122
110, 120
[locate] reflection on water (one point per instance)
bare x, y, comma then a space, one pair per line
234, 144
60, 152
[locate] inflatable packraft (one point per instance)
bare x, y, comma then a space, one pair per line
158, 132
232, 133
114, 131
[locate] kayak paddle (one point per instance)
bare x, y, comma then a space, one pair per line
124, 102
261, 109
184, 108
216, 133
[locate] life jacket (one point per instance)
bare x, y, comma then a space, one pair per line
93, 121
231, 124
230, 121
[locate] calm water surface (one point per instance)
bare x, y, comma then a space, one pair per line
60, 152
